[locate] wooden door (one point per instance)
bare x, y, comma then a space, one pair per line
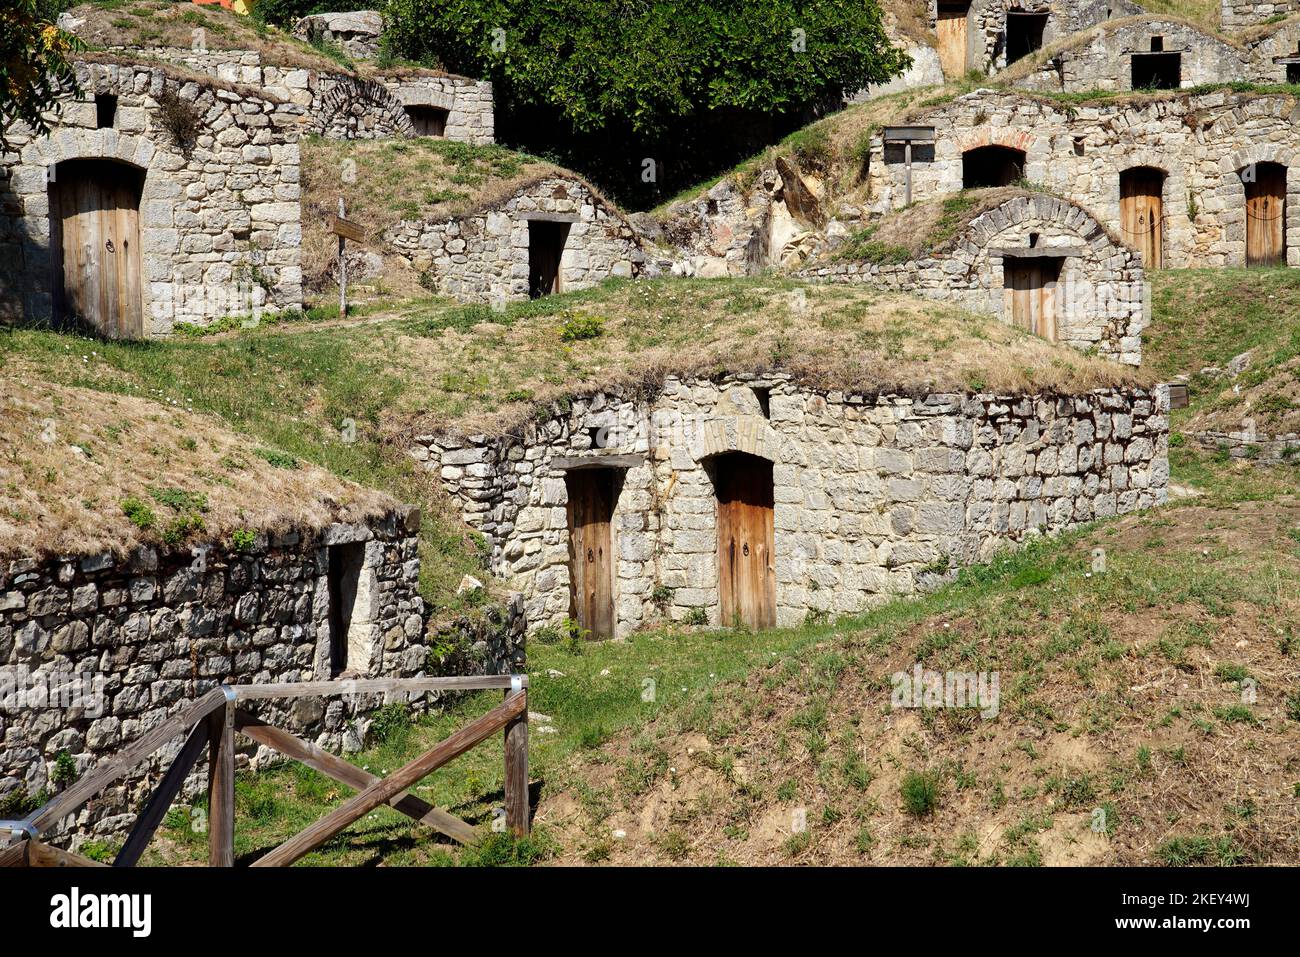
1266, 215
1141, 209
592, 494
952, 31
1031, 285
95, 241
746, 556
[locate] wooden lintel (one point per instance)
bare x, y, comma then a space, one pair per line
565, 463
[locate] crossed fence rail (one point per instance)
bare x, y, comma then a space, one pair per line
211, 722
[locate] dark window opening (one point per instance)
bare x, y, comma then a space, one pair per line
593, 436
105, 110
1033, 240
1157, 71
991, 166
1078, 146
764, 397
345, 563
545, 247
1024, 33
428, 120
1293, 72
1157, 44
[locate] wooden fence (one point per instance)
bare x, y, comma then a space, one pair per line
212, 722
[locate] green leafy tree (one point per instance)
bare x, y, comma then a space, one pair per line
601, 85
34, 64
649, 63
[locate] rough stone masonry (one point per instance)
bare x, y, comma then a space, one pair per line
875, 496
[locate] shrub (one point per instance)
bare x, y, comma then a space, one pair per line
65, 770
243, 539
139, 514
180, 118
920, 791
391, 722
578, 326
281, 460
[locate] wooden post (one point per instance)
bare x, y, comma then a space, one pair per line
516, 782
343, 268
221, 786
907, 158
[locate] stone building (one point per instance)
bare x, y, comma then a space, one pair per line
151, 567
1274, 52
360, 101
1035, 261
1215, 170
553, 234
753, 499
185, 188
1136, 53
990, 35
1236, 14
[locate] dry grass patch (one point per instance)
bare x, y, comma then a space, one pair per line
475, 370
87, 472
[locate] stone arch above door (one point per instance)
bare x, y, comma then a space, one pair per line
736, 433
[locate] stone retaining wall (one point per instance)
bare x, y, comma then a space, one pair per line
343, 106
1235, 14
154, 630
875, 495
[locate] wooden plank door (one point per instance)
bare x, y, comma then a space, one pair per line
95, 239
951, 27
1266, 216
1141, 208
592, 494
1032, 291
746, 537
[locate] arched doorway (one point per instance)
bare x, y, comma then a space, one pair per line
1141, 212
1265, 213
95, 245
991, 166
746, 539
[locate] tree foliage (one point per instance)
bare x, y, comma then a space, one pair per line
646, 63
34, 64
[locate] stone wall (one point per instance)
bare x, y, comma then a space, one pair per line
1104, 60
344, 106
483, 256
1248, 444
987, 24
152, 631
875, 495
1201, 142
1235, 14
1101, 293
1280, 40
220, 220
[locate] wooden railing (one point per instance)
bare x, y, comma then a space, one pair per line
212, 722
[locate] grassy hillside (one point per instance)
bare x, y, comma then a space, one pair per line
1205, 318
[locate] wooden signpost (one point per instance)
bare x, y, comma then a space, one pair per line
345, 229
